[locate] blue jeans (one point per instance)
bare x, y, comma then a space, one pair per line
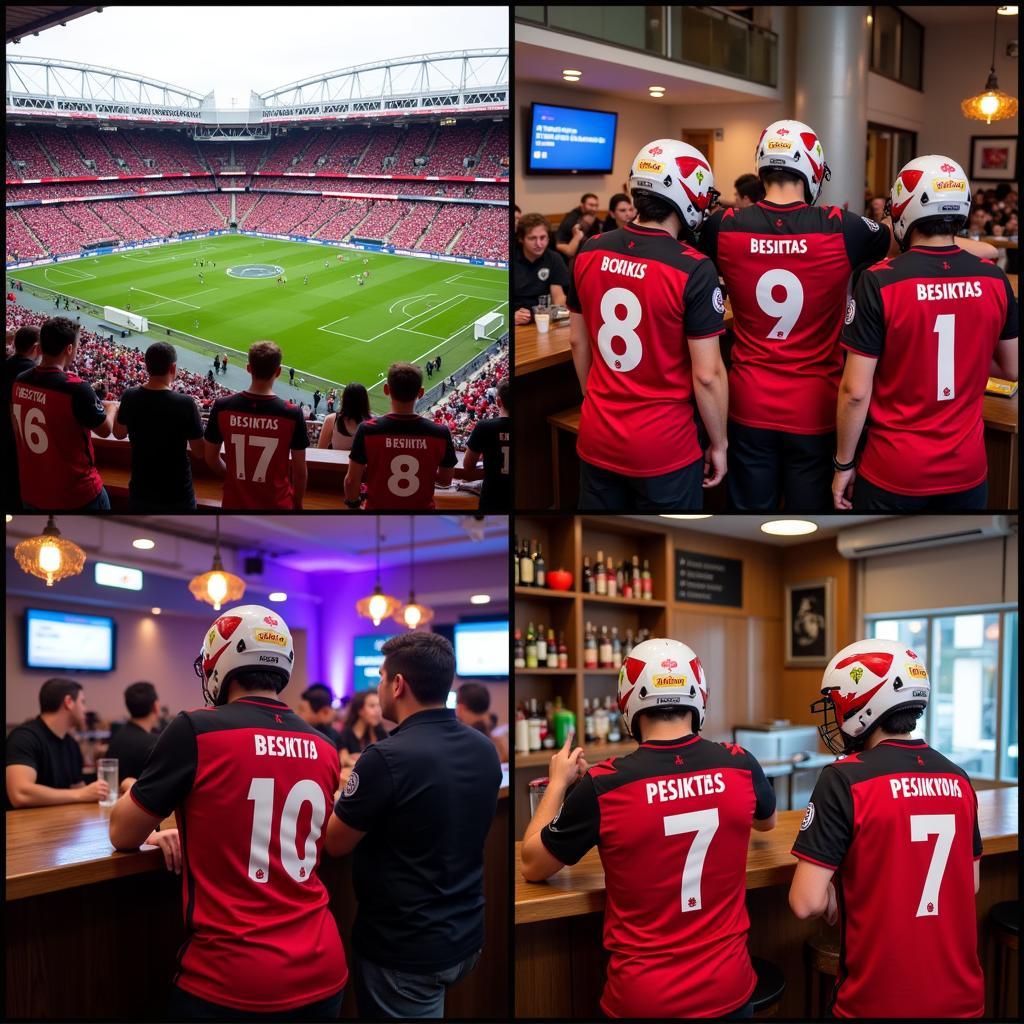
383, 993
185, 1006
101, 503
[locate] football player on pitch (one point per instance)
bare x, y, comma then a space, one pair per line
923, 333
251, 785
890, 844
678, 942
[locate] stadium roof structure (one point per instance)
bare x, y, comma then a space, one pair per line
463, 82
22, 20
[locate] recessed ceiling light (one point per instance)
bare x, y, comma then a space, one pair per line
669, 515
789, 527
277, 596
571, 78
155, 611
143, 543
480, 599
9, 517
1006, 10
571, 71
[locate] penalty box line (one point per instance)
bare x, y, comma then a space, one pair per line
396, 327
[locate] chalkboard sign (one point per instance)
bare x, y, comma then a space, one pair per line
709, 579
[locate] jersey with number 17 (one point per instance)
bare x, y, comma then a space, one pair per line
258, 432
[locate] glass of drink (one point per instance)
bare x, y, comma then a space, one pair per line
538, 787
106, 771
542, 318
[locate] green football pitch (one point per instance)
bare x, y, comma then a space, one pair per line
331, 330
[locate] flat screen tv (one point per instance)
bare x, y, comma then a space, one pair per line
481, 649
570, 140
71, 643
367, 661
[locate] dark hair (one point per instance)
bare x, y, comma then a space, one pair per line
1003, 190
404, 381
935, 227
53, 692
264, 359
619, 197
25, 338
900, 721
355, 403
427, 662
56, 334
139, 698
355, 705
318, 696
778, 176
668, 714
749, 187
505, 394
586, 196
476, 697
517, 208
652, 208
160, 356
254, 679
528, 222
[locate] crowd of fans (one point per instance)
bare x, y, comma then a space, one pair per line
475, 399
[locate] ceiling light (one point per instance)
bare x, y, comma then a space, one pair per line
217, 586
277, 595
789, 527
1006, 10
870, 20
413, 614
992, 104
571, 71
480, 599
9, 517
378, 606
50, 556
155, 611
143, 544
670, 515
571, 78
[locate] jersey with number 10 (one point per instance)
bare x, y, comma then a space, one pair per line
786, 269
642, 295
932, 318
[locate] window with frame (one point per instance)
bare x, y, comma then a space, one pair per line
897, 46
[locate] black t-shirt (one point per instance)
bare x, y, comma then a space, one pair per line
426, 797
492, 439
160, 425
530, 280
348, 740
330, 733
568, 222
131, 745
58, 762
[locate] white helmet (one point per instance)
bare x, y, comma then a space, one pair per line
661, 673
864, 682
792, 146
678, 174
929, 186
247, 637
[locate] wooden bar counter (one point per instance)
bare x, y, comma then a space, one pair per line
92, 933
560, 962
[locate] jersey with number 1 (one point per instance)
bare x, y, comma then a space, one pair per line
251, 786
643, 295
258, 432
932, 317
786, 269
899, 825
671, 822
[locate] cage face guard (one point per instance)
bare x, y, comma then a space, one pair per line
830, 729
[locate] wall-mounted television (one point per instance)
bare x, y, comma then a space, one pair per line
70, 643
481, 649
367, 661
570, 140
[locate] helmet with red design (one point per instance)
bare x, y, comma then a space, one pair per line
660, 674
793, 146
862, 684
677, 174
248, 637
929, 187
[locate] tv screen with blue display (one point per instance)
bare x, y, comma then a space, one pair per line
368, 660
571, 140
74, 643
481, 649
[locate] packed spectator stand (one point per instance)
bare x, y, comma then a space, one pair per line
471, 401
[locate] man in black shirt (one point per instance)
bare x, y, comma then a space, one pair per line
132, 743
24, 357
577, 226
315, 709
160, 423
417, 821
491, 439
536, 270
44, 764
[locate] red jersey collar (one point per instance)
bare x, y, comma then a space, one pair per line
671, 744
797, 204
646, 231
936, 250
902, 743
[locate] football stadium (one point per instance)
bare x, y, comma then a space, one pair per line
357, 218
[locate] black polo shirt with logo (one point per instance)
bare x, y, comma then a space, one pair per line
531, 280
425, 797
58, 762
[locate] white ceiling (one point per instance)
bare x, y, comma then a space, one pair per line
749, 527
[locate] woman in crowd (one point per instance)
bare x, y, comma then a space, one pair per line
362, 726
340, 427
621, 212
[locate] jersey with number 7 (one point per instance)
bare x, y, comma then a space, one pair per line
932, 317
899, 824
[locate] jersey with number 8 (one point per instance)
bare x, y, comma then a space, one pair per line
899, 823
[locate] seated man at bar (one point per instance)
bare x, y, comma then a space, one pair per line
134, 741
473, 708
416, 810
44, 762
536, 270
890, 844
672, 824
315, 709
239, 775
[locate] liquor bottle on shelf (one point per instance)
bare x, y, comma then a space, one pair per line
564, 721
535, 723
515, 560
589, 648
542, 646
610, 577
588, 721
638, 582
519, 651
531, 647
540, 573
552, 659
563, 652
522, 734
600, 577
620, 580
604, 650
627, 644
614, 732
547, 735
588, 576
601, 723
627, 582
616, 648
648, 583
525, 566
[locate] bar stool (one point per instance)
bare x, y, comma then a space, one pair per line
821, 952
770, 986
1005, 920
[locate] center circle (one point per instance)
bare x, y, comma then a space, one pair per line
253, 271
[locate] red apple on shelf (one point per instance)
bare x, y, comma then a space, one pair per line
560, 579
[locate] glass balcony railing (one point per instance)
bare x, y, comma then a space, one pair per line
704, 37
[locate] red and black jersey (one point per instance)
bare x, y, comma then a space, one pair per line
402, 455
932, 317
258, 432
899, 823
671, 822
251, 785
643, 295
53, 414
786, 269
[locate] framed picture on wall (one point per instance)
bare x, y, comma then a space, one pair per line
993, 158
810, 623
